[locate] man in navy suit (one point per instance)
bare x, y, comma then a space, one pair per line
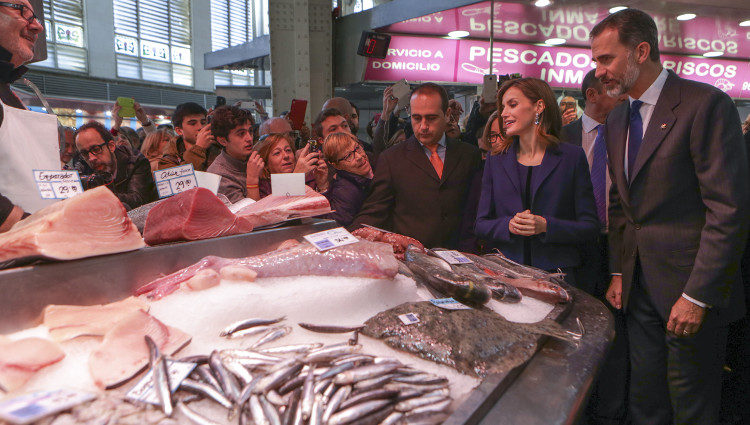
678, 219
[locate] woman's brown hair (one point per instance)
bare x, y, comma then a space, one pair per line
550, 120
268, 144
151, 144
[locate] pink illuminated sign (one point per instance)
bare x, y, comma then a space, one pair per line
466, 61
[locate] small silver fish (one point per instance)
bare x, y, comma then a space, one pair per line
237, 369
205, 390
270, 411
355, 412
329, 353
275, 379
227, 381
370, 395
273, 335
249, 323
422, 379
249, 332
194, 416
256, 409
160, 378
316, 416
392, 419
365, 372
413, 403
308, 396
296, 348
436, 407
330, 329
333, 404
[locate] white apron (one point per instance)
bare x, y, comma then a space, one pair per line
28, 141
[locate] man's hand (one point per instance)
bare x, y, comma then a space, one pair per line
389, 103
614, 293
116, 118
304, 132
569, 116
140, 114
254, 168
204, 138
455, 110
686, 318
486, 109
527, 224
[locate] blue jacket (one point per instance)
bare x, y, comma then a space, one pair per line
561, 193
346, 194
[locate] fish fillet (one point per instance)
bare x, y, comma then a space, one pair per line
92, 223
123, 352
192, 215
399, 242
70, 321
274, 209
21, 359
361, 259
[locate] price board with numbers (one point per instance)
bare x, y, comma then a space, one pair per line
58, 184
172, 181
329, 239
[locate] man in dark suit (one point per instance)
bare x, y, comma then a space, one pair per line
420, 185
608, 400
678, 219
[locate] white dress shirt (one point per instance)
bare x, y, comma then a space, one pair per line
588, 137
649, 99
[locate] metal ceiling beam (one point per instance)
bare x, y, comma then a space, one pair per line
245, 55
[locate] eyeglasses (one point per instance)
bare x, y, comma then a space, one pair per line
26, 12
95, 150
350, 155
495, 136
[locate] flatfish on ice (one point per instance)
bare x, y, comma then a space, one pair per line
474, 342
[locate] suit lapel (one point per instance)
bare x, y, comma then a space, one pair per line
416, 155
662, 120
509, 160
552, 158
452, 157
615, 137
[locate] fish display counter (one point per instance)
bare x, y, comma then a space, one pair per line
294, 335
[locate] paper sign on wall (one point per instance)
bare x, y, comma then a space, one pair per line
58, 184
288, 184
171, 181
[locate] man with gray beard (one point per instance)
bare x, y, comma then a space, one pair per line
678, 219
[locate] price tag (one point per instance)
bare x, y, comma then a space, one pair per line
58, 184
143, 391
288, 184
449, 304
452, 257
32, 407
328, 239
171, 181
409, 318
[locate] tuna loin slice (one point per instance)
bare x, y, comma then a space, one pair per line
192, 215
70, 321
21, 359
274, 208
92, 223
124, 353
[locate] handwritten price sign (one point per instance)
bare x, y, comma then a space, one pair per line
172, 181
58, 184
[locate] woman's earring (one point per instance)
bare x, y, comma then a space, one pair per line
536, 119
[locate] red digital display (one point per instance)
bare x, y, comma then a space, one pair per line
374, 44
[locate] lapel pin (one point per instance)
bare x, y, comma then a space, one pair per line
663, 126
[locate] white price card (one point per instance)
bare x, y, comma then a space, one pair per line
31, 407
333, 238
452, 257
409, 318
143, 391
449, 304
171, 181
288, 184
58, 184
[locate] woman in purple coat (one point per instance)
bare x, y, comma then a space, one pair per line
351, 178
537, 200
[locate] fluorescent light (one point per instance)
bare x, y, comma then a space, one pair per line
542, 3
108, 113
686, 17
617, 9
745, 23
458, 34
79, 111
554, 41
161, 117
712, 54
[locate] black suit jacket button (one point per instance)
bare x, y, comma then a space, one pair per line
637, 227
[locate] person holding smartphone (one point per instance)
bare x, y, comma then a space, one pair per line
277, 152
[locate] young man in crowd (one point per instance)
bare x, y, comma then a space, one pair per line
239, 166
421, 185
330, 121
195, 144
126, 173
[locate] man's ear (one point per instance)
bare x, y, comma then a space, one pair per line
591, 95
222, 141
178, 130
642, 52
112, 145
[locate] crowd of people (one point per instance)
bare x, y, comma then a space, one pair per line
643, 201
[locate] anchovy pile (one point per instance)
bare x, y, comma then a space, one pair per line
305, 384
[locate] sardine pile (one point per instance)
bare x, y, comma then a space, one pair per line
110, 410
305, 384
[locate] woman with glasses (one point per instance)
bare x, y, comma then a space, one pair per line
277, 151
351, 178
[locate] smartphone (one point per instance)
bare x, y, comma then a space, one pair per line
127, 107
250, 106
401, 91
297, 113
489, 88
314, 145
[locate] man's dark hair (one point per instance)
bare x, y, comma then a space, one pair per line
433, 89
325, 113
356, 110
227, 118
633, 28
99, 127
184, 109
591, 82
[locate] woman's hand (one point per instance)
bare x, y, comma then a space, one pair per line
321, 175
527, 224
254, 168
389, 103
116, 118
307, 160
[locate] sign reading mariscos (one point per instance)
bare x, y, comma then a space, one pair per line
466, 61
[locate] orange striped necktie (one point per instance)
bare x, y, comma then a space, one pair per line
435, 160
